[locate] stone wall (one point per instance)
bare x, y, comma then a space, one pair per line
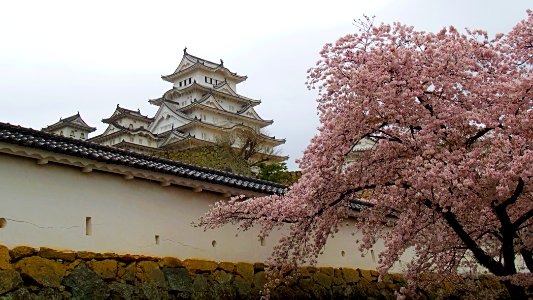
35, 274
28, 273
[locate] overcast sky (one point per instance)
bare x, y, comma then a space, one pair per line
60, 57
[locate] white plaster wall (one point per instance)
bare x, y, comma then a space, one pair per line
67, 131
126, 122
199, 76
47, 205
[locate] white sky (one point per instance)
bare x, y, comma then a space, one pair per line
60, 57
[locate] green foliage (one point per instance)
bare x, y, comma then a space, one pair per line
214, 157
278, 173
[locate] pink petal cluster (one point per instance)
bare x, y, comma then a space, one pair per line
451, 119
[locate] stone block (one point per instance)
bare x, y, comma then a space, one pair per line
322, 279
306, 284
150, 291
227, 266
258, 267
19, 294
127, 274
338, 280
397, 278
21, 252
260, 279
71, 266
246, 270
106, 269
200, 284
195, 265
178, 279
107, 255
170, 262
127, 258
243, 287
223, 291
9, 280
121, 290
5, 259
85, 255
337, 273
222, 277
350, 275
386, 278
304, 272
327, 270
148, 271
43, 271
85, 284
56, 254
366, 274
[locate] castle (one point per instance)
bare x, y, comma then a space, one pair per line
202, 108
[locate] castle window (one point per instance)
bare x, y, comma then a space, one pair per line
211, 80
231, 108
131, 126
180, 83
206, 79
140, 141
88, 226
190, 80
82, 135
72, 133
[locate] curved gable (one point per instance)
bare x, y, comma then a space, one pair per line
164, 116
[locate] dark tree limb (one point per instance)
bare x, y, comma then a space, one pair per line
507, 233
517, 192
477, 136
522, 219
487, 261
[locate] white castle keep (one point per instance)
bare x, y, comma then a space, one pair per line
200, 109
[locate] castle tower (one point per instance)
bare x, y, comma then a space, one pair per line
73, 127
201, 108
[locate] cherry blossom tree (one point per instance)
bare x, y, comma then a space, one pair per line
451, 117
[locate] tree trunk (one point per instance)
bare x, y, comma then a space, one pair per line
515, 291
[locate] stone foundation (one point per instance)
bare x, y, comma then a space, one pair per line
28, 273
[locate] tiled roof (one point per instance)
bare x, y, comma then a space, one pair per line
44, 141
200, 61
122, 112
69, 121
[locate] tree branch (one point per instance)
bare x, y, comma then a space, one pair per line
484, 259
516, 194
478, 135
523, 219
507, 233
427, 106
